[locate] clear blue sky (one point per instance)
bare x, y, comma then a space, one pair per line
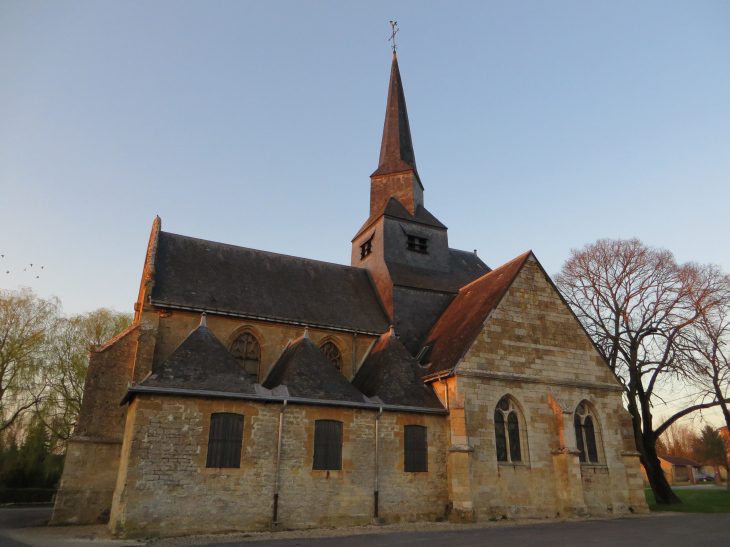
536, 125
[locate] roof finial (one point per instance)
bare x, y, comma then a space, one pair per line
306, 331
202, 320
393, 25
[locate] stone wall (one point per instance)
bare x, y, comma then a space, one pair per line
165, 489
533, 350
92, 457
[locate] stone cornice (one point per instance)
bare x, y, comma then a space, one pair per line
511, 377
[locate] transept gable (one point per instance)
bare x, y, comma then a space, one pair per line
458, 327
533, 334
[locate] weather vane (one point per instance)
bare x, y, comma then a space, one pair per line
393, 24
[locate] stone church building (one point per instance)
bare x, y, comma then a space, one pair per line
258, 391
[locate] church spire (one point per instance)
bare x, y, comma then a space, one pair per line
396, 149
396, 175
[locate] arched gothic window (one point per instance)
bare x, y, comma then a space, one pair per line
585, 434
248, 350
333, 353
508, 438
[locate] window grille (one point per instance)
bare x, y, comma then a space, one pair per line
585, 434
248, 350
327, 445
418, 244
224, 440
415, 449
333, 353
509, 447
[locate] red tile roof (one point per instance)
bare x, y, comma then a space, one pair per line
678, 460
463, 320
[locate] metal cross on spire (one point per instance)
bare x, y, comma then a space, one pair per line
393, 24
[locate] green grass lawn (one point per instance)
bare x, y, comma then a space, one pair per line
694, 501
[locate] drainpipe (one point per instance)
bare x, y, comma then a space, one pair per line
446, 391
278, 462
377, 434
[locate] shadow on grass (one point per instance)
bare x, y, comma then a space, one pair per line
694, 501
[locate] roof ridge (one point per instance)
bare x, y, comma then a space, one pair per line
522, 257
263, 252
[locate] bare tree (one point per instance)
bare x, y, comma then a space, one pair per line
26, 322
67, 363
707, 346
677, 440
636, 302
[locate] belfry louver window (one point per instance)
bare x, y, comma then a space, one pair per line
418, 244
367, 247
224, 440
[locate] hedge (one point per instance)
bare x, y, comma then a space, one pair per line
26, 495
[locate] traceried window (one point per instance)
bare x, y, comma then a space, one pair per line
367, 247
415, 449
418, 244
507, 432
585, 434
333, 353
224, 440
248, 350
327, 445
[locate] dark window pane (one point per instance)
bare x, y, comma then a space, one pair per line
591, 439
416, 449
500, 435
327, 445
504, 405
224, 440
579, 438
513, 427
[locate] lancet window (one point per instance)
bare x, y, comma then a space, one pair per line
507, 431
585, 434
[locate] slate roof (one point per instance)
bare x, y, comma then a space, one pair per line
455, 331
205, 275
392, 374
678, 460
464, 266
395, 209
396, 149
201, 362
306, 372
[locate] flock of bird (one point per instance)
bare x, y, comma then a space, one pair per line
24, 269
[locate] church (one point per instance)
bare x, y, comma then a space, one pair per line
256, 391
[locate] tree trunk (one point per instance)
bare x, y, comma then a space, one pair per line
663, 493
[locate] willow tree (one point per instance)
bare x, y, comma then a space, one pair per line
637, 302
67, 360
26, 324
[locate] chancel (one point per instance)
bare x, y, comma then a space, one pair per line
258, 391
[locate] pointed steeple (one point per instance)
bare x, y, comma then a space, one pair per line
396, 149
396, 174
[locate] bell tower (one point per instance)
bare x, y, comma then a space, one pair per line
404, 246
